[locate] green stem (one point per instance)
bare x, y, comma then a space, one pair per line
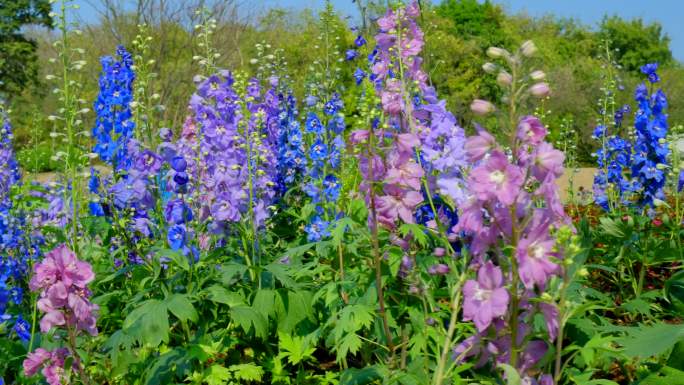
439, 376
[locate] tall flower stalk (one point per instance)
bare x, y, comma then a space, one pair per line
512, 217
69, 114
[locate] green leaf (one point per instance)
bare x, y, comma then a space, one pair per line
363, 376
297, 305
295, 348
351, 343
230, 270
674, 289
247, 372
139, 312
217, 375
610, 227
281, 273
417, 231
155, 325
222, 295
647, 341
511, 374
665, 376
177, 257
264, 300
180, 306
246, 317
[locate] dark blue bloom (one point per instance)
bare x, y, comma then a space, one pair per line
181, 178
351, 54
333, 105
113, 124
360, 41
650, 71
23, 329
319, 150
177, 212
359, 75
331, 187
317, 229
176, 237
313, 124
179, 164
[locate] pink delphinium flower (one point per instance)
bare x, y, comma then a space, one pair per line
478, 146
534, 254
63, 281
52, 364
497, 178
547, 159
531, 130
486, 298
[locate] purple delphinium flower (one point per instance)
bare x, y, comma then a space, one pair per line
485, 299
497, 178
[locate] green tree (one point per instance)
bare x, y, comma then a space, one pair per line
18, 59
636, 43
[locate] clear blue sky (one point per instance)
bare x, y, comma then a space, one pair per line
670, 13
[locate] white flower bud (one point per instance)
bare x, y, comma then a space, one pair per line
504, 79
528, 48
489, 68
538, 75
495, 52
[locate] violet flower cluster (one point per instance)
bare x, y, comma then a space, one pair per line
224, 164
62, 280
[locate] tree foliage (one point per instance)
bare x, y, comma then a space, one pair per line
18, 59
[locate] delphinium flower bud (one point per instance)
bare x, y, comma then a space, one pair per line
538, 75
481, 107
540, 90
528, 48
496, 52
504, 79
489, 68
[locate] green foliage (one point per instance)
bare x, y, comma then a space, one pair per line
635, 43
18, 59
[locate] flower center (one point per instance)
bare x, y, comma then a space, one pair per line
536, 252
482, 295
497, 177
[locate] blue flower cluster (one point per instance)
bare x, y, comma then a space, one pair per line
130, 191
13, 254
114, 126
325, 153
634, 173
651, 150
613, 158
291, 155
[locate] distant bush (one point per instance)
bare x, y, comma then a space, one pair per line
37, 159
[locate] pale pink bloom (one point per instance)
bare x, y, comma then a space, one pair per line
497, 178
